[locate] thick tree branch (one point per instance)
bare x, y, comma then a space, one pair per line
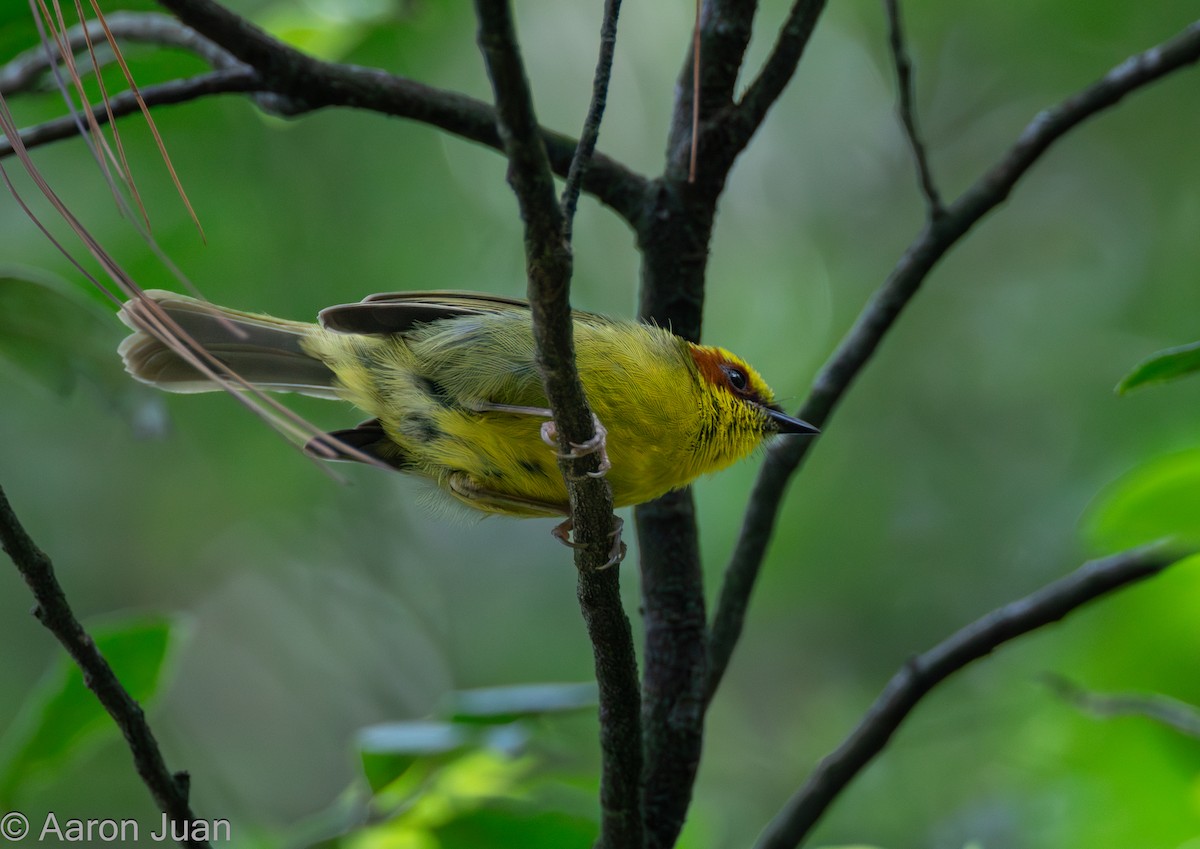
674, 257
926, 671
549, 266
303, 83
884, 308
725, 29
907, 110
674, 242
291, 83
53, 611
676, 660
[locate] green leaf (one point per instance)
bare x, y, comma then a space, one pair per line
61, 717
503, 705
53, 334
1163, 366
1158, 499
49, 332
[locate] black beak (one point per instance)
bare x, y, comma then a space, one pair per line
787, 424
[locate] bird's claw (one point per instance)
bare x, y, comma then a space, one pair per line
562, 533
596, 445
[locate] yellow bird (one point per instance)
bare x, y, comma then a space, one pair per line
453, 392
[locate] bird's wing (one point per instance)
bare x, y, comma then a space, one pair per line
359, 444
399, 312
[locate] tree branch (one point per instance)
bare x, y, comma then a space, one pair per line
23, 72
303, 83
907, 110
1173, 713
939, 236
549, 266
595, 113
239, 79
53, 611
725, 28
676, 659
924, 672
291, 83
674, 242
737, 126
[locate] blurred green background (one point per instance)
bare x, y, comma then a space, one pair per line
963, 471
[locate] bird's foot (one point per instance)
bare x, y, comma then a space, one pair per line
596, 445
562, 533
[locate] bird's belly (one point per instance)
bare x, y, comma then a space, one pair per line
498, 463
493, 462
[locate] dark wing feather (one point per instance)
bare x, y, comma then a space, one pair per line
399, 312
368, 438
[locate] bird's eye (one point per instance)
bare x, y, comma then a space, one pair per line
737, 378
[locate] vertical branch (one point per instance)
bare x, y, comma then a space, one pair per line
907, 110
697, 47
591, 124
674, 239
707, 79
676, 659
170, 791
549, 267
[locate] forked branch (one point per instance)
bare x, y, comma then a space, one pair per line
890, 300
53, 611
293, 83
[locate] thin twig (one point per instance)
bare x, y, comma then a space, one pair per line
238, 80
880, 314
150, 122
697, 52
147, 315
595, 113
23, 72
924, 672
1173, 713
549, 266
907, 110
53, 611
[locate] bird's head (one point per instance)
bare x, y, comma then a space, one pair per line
744, 407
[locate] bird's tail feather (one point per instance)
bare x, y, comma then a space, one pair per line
265, 351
